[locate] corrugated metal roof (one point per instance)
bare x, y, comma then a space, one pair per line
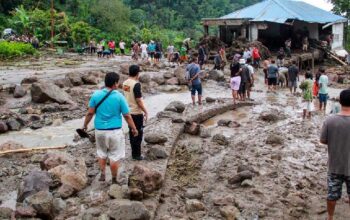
280, 11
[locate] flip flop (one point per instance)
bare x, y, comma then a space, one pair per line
82, 133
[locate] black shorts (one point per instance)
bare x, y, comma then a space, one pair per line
122, 51
157, 55
242, 88
335, 184
152, 54
272, 81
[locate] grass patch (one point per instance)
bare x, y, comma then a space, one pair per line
10, 50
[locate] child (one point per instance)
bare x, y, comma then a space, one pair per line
306, 86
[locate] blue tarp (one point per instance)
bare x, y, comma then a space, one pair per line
280, 11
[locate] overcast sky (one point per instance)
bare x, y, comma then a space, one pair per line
324, 4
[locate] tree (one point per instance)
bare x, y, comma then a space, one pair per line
21, 20
341, 7
81, 32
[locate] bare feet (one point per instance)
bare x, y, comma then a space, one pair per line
102, 178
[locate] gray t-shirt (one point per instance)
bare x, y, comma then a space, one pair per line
335, 132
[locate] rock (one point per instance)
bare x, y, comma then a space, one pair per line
269, 117
192, 128
10, 145
42, 202
155, 138
135, 194
65, 191
169, 88
274, 139
57, 122
5, 213
176, 106
220, 139
30, 80
230, 212
128, 210
124, 68
224, 201
159, 79
25, 212
240, 177
193, 205
52, 160
116, 192
145, 179
145, 78
224, 122
35, 182
37, 125
3, 127
156, 152
63, 83
91, 79
19, 92
247, 183
216, 75
204, 132
13, 125
168, 75
210, 100
43, 92
180, 74
59, 205
173, 81
194, 193
35, 118
75, 79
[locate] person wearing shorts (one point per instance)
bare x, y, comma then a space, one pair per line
307, 95
293, 76
272, 76
108, 105
235, 83
194, 79
323, 91
122, 47
335, 133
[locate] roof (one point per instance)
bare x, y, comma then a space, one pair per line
280, 11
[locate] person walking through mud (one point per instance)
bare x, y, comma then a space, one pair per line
108, 105
194, 81
245, 80
323, 91
122, 47
250, 83
293, 77
235, 80
133, 93
272, 76
201, 56
335, 133
306, 86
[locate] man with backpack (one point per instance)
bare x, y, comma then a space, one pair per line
108, 105
245, 80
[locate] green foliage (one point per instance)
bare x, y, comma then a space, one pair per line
81, 32
342, 7
15, 49
21, 20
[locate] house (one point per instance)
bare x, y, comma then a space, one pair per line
274, 21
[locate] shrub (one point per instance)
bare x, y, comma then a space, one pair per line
15, 49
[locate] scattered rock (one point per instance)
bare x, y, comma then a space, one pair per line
247, 183
42, 202
145, 179
205, 132
75, 79
224, 201
63, 83
59, 205
216, 75
91, 78
224, 122
145, 78
116, 192
19, 92
194, 205
5, 213
3, 127
156, 152
35, 182
240, 177
230, 212
25, 212
173, 81
176, 106
168, 75
269, 117
65, 191
210, 100
10, 145
159, 79
43, 92
194, 193
180, 74
274, 139
135, 194
13, 125
220, 139
30, 80
192, 128
52, 160
155, 138
128, 210
124, 68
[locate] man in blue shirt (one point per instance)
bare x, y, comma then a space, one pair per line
110, 140
194, 80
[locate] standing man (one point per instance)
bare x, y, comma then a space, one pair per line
293, 77
194, 80
144, 53
256, 57
323, 90
170, 51
109, 105
250, 83
272, 75
139, 114
122, 47
288, 45
201, 56
111, 45
335, 133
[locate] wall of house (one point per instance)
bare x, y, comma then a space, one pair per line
338, 36
311, 27
253, 32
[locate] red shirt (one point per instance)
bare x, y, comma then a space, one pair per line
111, 45
256, 54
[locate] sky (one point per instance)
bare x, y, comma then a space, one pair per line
324, 4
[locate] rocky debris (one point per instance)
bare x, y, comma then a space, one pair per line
271, 117
274, 139
59, 205
180, 74
35, 182
168, 75
116, 191
176, 106
3, 127
91, 78
135, 194
63, 83
220, 139
210, 100
224, 122
216, 75
43, 92
156, 153
194, 193
52, 160
145, 179
159, 79
247, 183
42, 202
10, 145
19, 92
65, 191
230, 212
25, 212
5, 213
172, 81
194, 205
240, 177
13, 125
205, 132
124, 68
155, 138
224, 200
145, 78
30, 80
169, 88
128, 210
75, 79
192, 128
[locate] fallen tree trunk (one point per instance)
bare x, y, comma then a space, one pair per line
31, 149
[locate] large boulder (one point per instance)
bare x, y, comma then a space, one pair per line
155, 138
3, 127
145, 179
168, 75
173, 81
124, 68
42, 202
63, 83
217, 75
159, 79
128, 210
43, 92
35, 182
145, 78
176, 106
91, 78
19, 92
30, 80
180, 74
75, 78
156, 152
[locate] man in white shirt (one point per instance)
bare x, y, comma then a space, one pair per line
144, 54
122, 47
170, 51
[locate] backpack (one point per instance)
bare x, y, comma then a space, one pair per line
245, 75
